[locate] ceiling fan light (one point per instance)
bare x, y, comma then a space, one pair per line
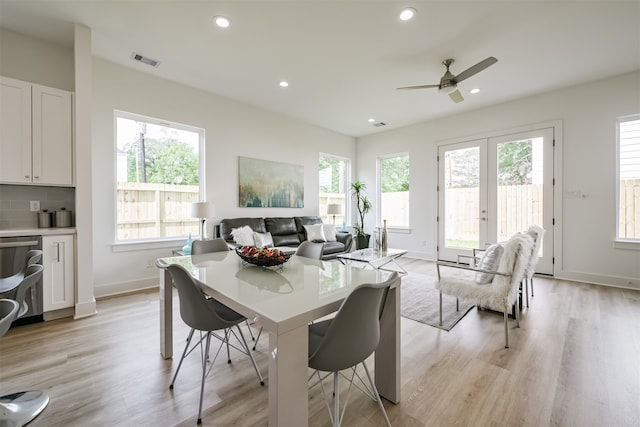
448, 89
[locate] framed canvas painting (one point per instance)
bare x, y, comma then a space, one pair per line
267, 184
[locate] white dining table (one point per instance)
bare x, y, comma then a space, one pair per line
284, 301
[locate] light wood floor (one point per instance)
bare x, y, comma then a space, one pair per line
575, 361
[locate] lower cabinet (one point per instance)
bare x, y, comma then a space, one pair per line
58, 276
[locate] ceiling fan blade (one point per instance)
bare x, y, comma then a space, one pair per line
416, 87
456, 96
475, 69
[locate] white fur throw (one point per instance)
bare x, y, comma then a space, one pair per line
243, 236
503, 290
536, 234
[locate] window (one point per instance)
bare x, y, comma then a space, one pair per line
158, 177
628, 169
334, 175
394, 190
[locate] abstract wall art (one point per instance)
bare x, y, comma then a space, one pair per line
267, 184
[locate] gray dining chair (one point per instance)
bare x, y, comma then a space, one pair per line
33, 274
19, 408
208, 316
207, 246
309, 249
346, 341
32, 256
199, 247
306, 249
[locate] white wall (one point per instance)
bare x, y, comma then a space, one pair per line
585, 228
232, 129
31, 60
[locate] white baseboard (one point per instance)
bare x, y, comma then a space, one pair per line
597, 279
111, 289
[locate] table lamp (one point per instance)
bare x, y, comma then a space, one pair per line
334, 209
202, 210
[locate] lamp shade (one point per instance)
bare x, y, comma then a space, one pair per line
334, 209
202, 210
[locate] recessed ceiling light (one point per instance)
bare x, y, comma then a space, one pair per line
371, 120
222, 21
284, 84
407, 14
476, 90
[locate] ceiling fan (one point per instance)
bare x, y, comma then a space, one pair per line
449, 82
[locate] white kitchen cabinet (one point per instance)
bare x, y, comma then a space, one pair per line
58, 276
36, 144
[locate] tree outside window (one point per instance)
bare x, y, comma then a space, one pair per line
394, 190
158, 178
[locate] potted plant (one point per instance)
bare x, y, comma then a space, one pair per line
363, 204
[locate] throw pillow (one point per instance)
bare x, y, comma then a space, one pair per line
490, 262
262, 240
243, 236
329, 231
315, 233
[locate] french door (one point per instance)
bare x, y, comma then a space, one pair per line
492, 188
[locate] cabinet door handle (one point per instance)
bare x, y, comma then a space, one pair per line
27, 176
57, 252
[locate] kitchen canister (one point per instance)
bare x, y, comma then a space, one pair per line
45, 219
62, 218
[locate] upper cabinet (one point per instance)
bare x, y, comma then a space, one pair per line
36, 143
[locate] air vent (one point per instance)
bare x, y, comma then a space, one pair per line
145, 60
379, 124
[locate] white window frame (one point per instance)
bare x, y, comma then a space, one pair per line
379, 220
622, 242
155, 242
347, 187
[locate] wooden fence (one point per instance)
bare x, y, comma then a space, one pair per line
518, 207
629, 225
155, 210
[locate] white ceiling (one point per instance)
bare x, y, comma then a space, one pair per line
344, 59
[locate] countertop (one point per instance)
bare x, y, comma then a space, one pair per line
37, 232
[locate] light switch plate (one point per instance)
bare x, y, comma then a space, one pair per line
34, 205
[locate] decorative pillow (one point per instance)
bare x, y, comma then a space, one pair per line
243, 236
315, 233
263, 239
489, 261
329, 231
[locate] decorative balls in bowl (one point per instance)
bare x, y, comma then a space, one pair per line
263, 257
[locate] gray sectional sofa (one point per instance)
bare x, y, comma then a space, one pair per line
285, 231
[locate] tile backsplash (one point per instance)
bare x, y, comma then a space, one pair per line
14, 204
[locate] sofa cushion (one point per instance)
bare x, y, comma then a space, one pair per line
301, 221
283, 231
489, 261
333, 248
280, 226
226, 225
262, 240
315, 233
329, 231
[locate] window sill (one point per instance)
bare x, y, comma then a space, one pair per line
140, 245
399, 230
627, 244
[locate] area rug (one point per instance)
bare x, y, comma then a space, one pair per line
420, 302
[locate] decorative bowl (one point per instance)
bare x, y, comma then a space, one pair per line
263, 257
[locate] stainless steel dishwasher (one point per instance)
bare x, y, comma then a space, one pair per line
12, 259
